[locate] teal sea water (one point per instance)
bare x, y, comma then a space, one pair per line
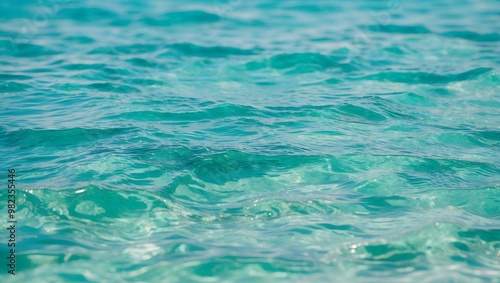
251, 141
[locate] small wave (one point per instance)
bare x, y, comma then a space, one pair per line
425, 78
80, 39
180, 18
83, 66
141, 62
137, 48
86, 14
28, 138
415, 99
110, 87
344, 112
397, 29
314, 8
100, 87
220, 111
350, 110
287, 61
189, 49
473, 36
13, 87
468, 35
29, 50
490, 137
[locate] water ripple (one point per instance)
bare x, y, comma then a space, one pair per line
239, 141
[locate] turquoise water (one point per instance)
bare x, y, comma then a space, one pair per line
251, 141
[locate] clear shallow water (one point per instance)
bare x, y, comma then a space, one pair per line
263, 141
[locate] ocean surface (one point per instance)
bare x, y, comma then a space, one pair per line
251, 141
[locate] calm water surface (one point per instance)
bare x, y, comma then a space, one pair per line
251, 141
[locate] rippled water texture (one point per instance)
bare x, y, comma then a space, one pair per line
252, 141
